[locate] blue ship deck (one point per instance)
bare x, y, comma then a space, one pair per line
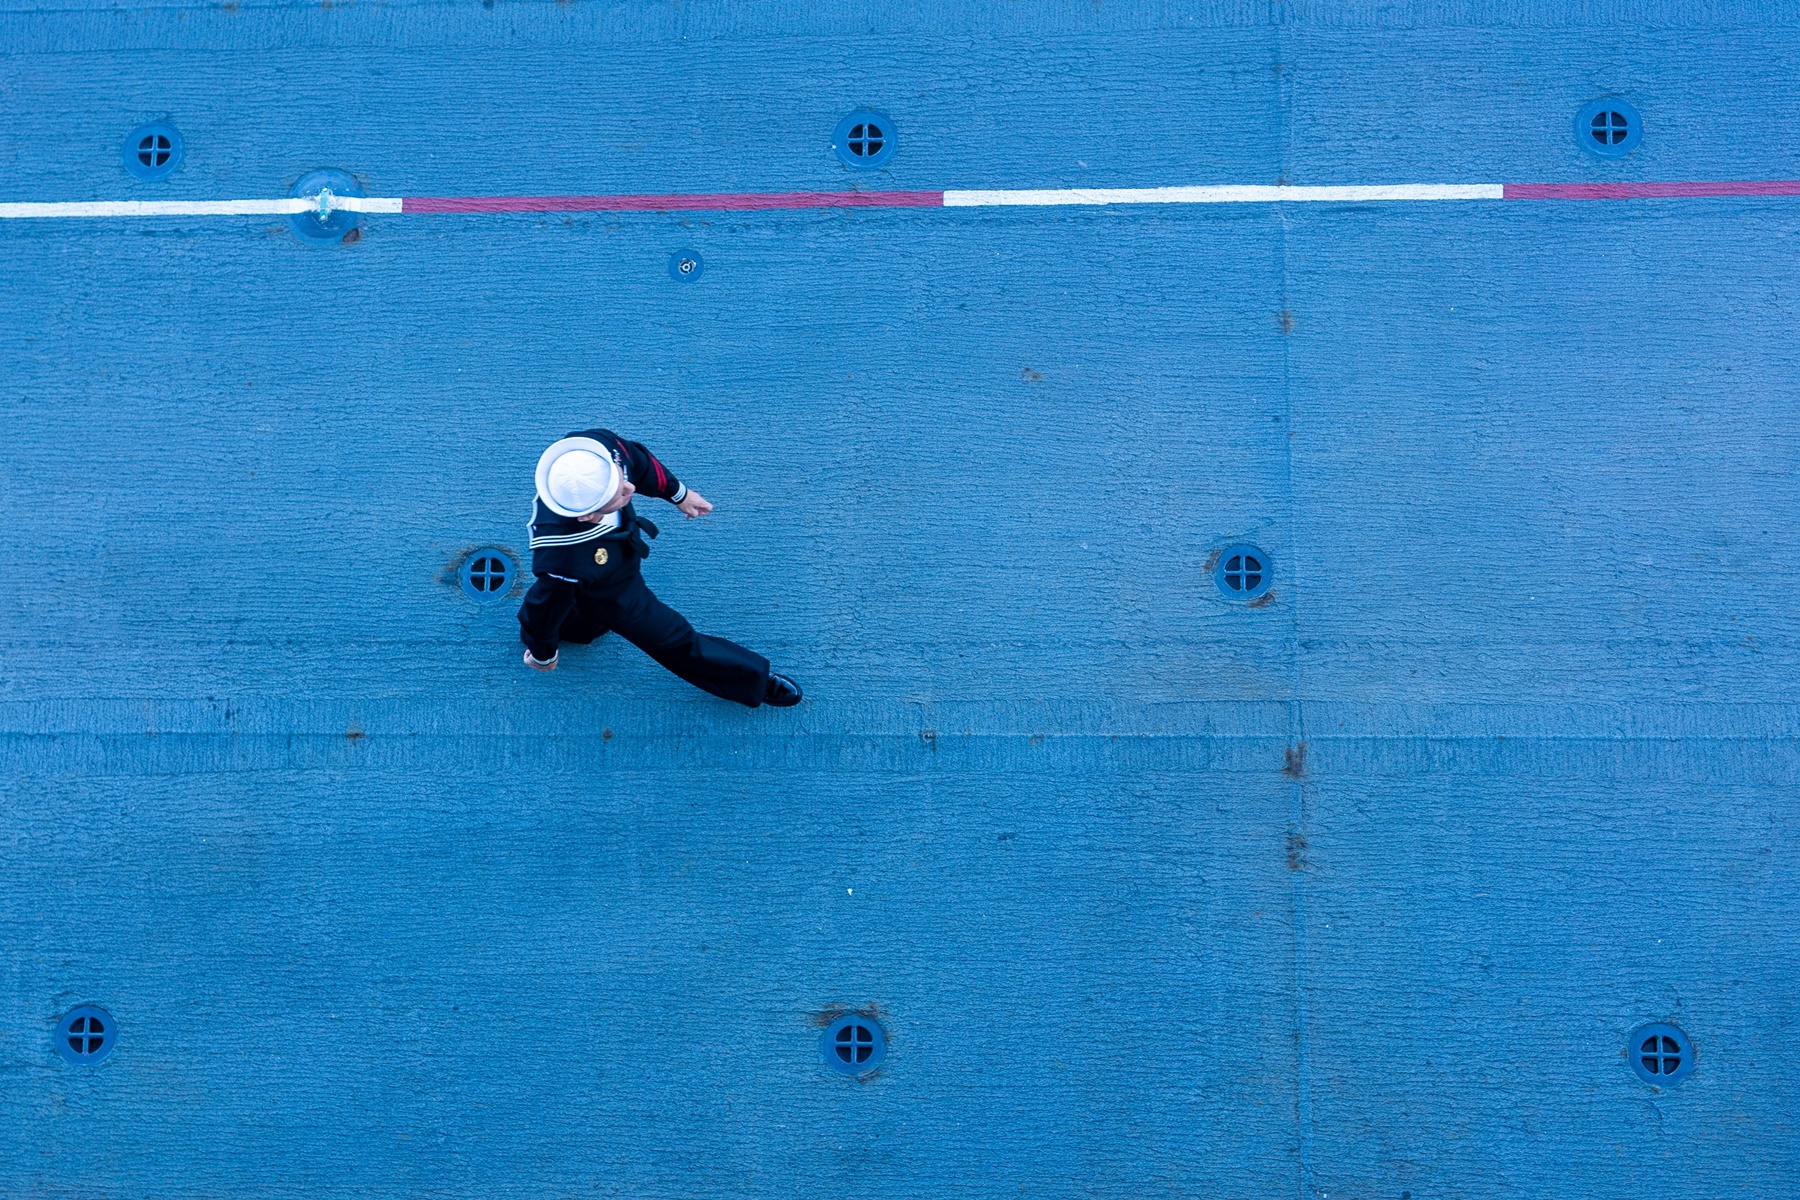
1357, 892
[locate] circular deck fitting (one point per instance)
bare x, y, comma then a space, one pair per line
1243, 573
153, 151
337, 223
487, 575
864, 138
85, 1034
1609, 128
1660, 1053
686, 265
854, 1045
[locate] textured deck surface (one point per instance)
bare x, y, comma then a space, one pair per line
1354, 894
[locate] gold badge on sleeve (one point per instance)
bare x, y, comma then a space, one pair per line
600, 556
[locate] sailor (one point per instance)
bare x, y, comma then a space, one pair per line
586, 545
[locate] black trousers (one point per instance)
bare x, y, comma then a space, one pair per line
556, 610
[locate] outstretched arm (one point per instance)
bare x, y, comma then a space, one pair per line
650, 476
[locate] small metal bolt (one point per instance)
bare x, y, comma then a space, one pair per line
325, 199
685, 266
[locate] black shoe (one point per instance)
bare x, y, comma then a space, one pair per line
781, 691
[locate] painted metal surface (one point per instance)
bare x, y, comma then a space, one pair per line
1243, 573
152, 151
487, 576
854, 1045
1609, 128
865, 139
324, 221
1660, 1053
1156, 894
85, 1035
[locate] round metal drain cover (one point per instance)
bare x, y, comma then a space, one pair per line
1660, 1053
685, 265
1243, 573
864, 138
487, 575
85, 1034
854, 1045
153, 151
1609, 128
337, 224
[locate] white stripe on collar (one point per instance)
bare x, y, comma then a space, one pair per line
607, 524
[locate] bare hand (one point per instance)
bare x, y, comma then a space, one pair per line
694, 504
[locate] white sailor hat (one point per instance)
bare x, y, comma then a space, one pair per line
576, 476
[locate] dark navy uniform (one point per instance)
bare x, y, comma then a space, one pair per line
588, 581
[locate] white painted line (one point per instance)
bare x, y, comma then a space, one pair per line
1229, 194
198, 208
367, 204
158, 208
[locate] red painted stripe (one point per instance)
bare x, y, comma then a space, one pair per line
704, 202
1651, 191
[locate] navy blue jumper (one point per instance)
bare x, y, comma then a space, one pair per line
589, 581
